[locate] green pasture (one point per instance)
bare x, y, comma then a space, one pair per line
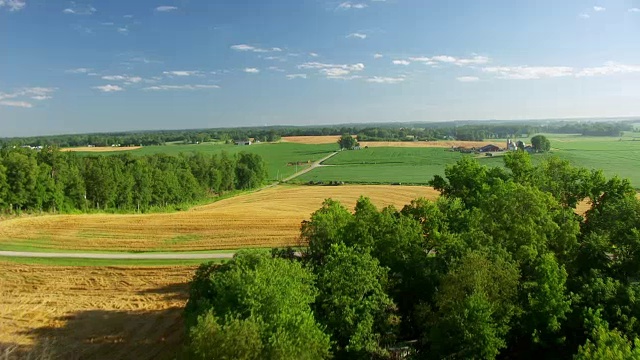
276, 155
384, 165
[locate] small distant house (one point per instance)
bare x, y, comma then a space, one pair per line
243, 142
530, 149
489, 148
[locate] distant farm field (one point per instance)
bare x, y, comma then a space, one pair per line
332, 139
92, 312
384, 165
281, 158
266, 218
101, 149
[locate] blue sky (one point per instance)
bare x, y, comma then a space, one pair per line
88, 66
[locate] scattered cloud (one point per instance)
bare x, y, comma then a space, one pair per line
180, 87
386, 80
334, 71
183, 73
599, 8
251, 70
123, 78
108, 23
313, 54
123, 30
17, 97
21, 104
529, 72
634, 10
166, 8
79, 9
296, 76
609, 68
245, 47
447, 59
13, 5
128, 16
584, 16
275, 68
349, 5
109, 88
401, 62
78, 71
468, 78
378, 56
356, 36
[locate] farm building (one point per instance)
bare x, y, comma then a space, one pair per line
489, 148
243, 142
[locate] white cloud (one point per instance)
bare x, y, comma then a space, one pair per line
609, 68
468, 78
245, 47
123, 30
75, 9
313, 54
182, 73
447, 59
166, 8
251, 70
36, 93
599, 8
634, 10
108, 88
275, 68
334, 71
356, 36
349, 5
386, 80
296, 76
401, 62
13, 5
78, 71
378, 56
125, 78
180, 87
584, 16
22, 104
529, 72
128, 16
41, 97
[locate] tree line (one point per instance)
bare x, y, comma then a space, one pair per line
51, 180
499, 267
365, 132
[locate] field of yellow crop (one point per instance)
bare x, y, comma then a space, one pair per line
91, 312
101, 149
334, 139
267, 218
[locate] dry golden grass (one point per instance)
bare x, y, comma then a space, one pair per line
92, 312
101, 149
270, 217
334, 139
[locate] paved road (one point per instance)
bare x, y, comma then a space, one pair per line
116, 256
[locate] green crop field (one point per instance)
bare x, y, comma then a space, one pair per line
276, 155
614, 155
384, 165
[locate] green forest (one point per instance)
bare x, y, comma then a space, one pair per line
499, 267
50, 180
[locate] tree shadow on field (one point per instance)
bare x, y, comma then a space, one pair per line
112, 334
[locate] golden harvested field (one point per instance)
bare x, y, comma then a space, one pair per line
270, 217
101, 149
334, 139
92, 312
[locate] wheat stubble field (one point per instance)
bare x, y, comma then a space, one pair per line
92, 312
265, 218
332, 139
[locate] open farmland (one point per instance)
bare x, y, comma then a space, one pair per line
101, 149
92, 312
384, 165
266, 218
332, 139
281, 158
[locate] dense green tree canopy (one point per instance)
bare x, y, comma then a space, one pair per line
540, 143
